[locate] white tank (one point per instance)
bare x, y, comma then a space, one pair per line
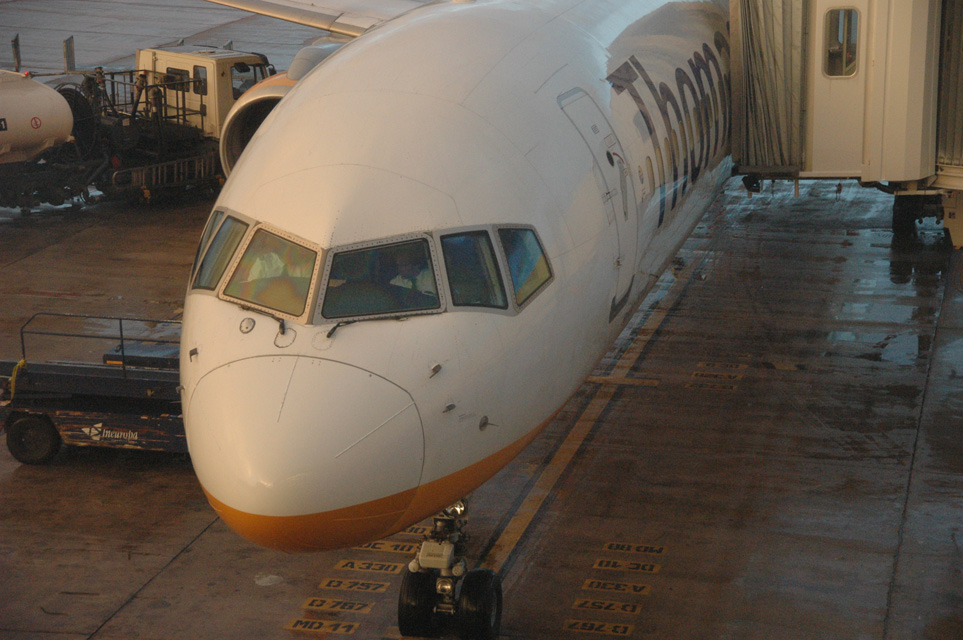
33, 118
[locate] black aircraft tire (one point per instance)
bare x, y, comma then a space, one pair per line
480, 606
33, 439
416, 605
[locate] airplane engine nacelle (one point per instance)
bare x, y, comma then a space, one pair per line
33, 118
256, 103
247, 114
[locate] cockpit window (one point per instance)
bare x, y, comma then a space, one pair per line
473, 270
526, 261
209, 230
274, 273
219, 253
392, 278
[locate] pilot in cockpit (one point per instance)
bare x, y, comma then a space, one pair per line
414, 270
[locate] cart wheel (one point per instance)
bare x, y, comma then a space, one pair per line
33, 439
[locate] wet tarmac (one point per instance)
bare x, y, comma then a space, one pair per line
771, 450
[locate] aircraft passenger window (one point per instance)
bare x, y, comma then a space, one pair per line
473, 270
393, 278
842, 43
526, 262
274, 272
219, 254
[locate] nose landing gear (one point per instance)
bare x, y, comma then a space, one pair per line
430, 602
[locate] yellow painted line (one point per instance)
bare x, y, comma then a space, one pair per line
513, 532
617, 587
322, 626
602, 628
360, 586
646, 549
373, 567
711, 375
723, 365
624, 382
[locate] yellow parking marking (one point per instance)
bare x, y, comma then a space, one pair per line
717, 376
373, 567
329, 605
621, 565
407, 548
607, 606
354, 585
617, 587
322, 626
603, 628
647, 549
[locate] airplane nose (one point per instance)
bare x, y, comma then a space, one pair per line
303, 454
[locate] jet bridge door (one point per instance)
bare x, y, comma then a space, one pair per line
613, 180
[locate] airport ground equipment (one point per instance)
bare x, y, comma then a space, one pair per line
136, 132
128, 399
871, 91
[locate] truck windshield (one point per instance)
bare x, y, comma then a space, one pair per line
274, 273
393, 278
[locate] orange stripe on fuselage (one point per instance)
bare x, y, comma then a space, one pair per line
369, 521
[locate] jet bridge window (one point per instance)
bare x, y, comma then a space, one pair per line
392, 278
472, 268
220, 251
842, 43
274, 273
526, 262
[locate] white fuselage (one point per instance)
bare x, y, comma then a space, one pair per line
601, 127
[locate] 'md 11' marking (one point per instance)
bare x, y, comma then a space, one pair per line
645, 549
620, 587
329, 605
371, 567
621, 565
354, 585
603, 628
407, 548
604, 605
717, 376
322, 626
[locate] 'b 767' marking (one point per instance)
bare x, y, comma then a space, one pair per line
604, 628
621, 565
373, 567
328, 604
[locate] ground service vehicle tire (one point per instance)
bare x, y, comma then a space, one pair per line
32, 439
416, 604
480, 606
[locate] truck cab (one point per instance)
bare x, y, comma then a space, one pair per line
202, 83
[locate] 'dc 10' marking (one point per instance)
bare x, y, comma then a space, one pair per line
620, 587
354, 585
406, 548
374, 567
619, 565
322, 626
604, 628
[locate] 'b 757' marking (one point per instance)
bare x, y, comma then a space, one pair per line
354, 585
604, 628
373, 567
620, 565
612, 607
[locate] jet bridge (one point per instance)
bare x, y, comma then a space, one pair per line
864, 89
